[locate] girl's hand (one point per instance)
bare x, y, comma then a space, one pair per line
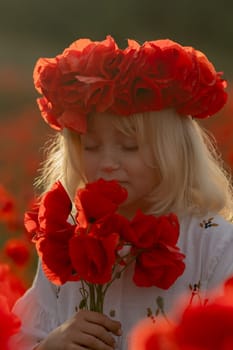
86, 330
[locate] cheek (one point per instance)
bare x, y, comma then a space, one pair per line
90, 166
87, 165
146, 177
137, 165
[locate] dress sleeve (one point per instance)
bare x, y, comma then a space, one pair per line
37, 310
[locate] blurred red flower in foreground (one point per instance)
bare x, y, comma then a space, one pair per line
11, 288
228, 286
201, 327
207, 327
10, 285
148, 335
9, 323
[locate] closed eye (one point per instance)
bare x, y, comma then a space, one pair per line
130, 148
90, 147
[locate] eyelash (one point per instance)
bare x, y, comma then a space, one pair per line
90, 148
124, 148
130, 148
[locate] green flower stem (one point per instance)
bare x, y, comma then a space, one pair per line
95, 293
95, 297
92, 302
100, 298
118, 274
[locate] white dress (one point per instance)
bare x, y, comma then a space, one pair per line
208, 245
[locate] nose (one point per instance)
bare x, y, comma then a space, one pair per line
109, 169
109, 163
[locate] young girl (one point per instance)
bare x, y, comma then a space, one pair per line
131, 115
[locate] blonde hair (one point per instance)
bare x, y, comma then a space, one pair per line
192, 174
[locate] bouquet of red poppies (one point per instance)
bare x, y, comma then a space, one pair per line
89, 246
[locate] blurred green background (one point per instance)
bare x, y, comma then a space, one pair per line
32, 28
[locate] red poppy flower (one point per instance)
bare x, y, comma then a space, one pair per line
50, 113
65, 80
7, 205
55, 208
97, 200
159, 266
207, 101
147, 230
168, 229
56, 261
18, 250
112, 223
93, 257
31, 222
91, 57
158, 259
51, 214
52, 233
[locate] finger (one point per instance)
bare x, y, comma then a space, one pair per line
87, 341
99, 332
111, 325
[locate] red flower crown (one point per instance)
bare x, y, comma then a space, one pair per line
99, 77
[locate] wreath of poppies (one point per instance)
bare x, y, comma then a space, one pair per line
97, 76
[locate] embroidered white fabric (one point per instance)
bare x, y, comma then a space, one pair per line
208, 246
